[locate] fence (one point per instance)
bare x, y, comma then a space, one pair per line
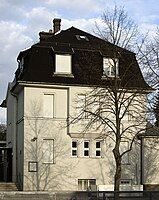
109, 195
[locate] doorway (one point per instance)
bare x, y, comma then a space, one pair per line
5, 164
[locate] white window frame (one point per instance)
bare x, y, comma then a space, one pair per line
108, 63
50, 150
86, 149
46, 113
84, 184
74, 148
98, 149
67, 67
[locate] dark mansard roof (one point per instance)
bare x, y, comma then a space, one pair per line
87, 61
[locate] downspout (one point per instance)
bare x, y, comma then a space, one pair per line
16, 129
141, 161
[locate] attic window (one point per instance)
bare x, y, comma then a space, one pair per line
110, 67
82, 37
63, 64
21, 64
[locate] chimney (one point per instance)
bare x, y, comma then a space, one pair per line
56, 25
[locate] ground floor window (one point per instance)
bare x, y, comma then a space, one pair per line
86, 184
126, 181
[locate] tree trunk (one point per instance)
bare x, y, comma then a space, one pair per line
117, 176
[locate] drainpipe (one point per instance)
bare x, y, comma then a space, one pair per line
141, 161
16, 129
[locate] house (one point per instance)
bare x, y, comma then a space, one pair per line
150, 157
49, 88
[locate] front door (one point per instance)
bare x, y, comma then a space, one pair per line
5, 164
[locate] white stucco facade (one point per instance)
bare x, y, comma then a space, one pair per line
32, 133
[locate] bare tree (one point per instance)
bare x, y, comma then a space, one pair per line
150, 60
118, 28
114, 106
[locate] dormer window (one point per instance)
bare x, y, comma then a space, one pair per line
21, 64
82, 37
110, 67
63, 64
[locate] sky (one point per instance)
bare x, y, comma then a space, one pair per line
22, 20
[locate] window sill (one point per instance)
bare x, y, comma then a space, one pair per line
58, 74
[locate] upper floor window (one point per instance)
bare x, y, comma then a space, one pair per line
74, 148
110, 67
63, 64
48, 105
86, 148
98, 148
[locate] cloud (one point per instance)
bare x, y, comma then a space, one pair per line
77, 8
39, 19
12, 40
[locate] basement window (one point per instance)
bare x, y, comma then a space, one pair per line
126, 181
86, 184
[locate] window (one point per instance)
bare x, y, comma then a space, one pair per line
125, 181
74, 148
63, 64
110, 67
32, 166
86, 184
81, 106
48, 105
82, 37
98, 148
21, 64
86, 148
124, 147
48, 151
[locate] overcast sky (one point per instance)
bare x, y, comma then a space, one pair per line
22, 20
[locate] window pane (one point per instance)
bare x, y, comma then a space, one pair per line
79, 184
97, 144
63, 63
85, 184
97, 153
48, 105
86, 144
74, 152
92, 182
74, 144
86, 153
113, 71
